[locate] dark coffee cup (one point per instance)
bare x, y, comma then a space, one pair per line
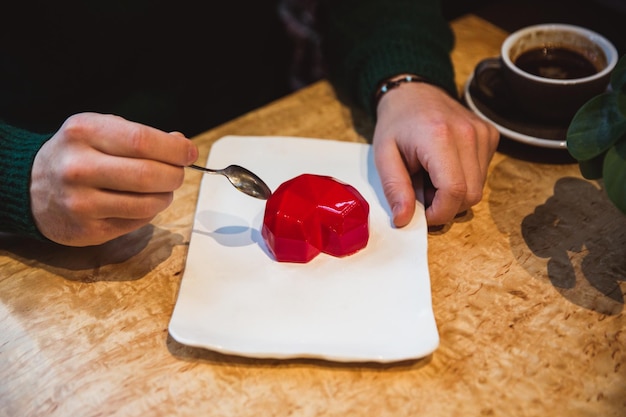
550, 70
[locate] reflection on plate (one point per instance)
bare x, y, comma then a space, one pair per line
511, 123
234, 298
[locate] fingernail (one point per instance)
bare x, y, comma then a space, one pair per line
395, 210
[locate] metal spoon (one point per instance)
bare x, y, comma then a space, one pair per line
243, 180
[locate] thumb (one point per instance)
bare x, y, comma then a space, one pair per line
396, 183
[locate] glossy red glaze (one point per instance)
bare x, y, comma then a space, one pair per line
313, 213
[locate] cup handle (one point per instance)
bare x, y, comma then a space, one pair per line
484, 74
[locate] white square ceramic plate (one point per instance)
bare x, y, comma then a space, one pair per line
235, 298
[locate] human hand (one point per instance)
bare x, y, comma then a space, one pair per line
419, 126
100, 177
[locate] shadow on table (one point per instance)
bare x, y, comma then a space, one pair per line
126, 258
567, 221
579, 221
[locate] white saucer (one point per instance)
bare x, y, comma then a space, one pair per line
508, 132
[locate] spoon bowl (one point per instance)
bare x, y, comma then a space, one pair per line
242, 179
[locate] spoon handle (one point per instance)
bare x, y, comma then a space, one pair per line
203, 169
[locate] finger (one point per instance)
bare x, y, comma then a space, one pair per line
96, 170
480, 144
445, 205
139, 141
487, 143
104, 204
449, 181
114, 135
396, 182
488, 138
472, 167
494, 139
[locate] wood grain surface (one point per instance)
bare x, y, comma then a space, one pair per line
528, 293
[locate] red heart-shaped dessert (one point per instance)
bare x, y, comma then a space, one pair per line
313, 213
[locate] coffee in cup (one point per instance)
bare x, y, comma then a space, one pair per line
550, 70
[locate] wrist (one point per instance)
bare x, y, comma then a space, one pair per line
394, 82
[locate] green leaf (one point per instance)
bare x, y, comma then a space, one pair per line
596, 126
618, 76
614, 173
621, 101
592, 168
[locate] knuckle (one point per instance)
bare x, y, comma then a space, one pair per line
76, 127
449, 133
76, 205
138, 140
474, 197
71, 171
470, 132
443, 130
458, 190
487, 131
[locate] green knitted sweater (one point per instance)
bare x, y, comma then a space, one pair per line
175, 66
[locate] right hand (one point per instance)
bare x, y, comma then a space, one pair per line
420, 127
101, 176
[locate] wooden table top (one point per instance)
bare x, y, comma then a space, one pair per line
528, 294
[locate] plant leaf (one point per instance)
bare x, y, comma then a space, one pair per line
592, 168
614, 173
597, 125
621, 101
618, 76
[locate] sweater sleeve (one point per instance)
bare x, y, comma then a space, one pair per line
367, 41
18, 148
